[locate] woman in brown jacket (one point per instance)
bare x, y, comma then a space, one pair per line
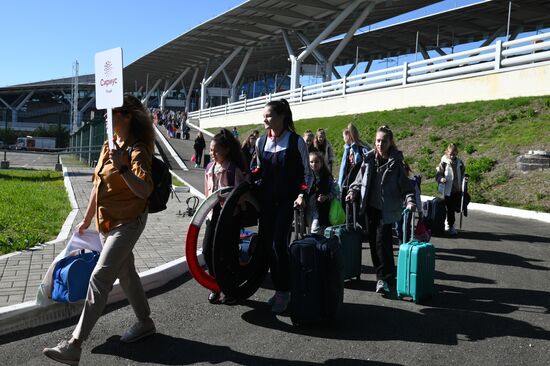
118, 201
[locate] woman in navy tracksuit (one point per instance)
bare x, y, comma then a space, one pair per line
283, 165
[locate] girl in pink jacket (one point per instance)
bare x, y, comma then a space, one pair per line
225, 170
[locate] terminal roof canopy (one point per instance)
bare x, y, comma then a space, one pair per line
257, 24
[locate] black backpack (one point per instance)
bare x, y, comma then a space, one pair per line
162, 184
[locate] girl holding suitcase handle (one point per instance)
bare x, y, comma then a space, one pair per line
449, 175
283, 167
382, 185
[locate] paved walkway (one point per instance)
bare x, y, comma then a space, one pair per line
162, 241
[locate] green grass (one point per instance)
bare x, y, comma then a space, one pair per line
488, 134
33, 207
176, 182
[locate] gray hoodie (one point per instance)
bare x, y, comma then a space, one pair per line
396, 186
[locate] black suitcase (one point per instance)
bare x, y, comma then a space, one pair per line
435, 214
316, 284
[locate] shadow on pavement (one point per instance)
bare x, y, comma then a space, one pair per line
47, 328
380, 323
489, 257
487, 236
492, 300
166, 350
462, 278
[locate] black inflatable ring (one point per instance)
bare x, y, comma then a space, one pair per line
235, 279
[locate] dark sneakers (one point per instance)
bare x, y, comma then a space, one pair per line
141, 329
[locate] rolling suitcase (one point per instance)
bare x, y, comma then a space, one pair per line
435, 214
415, 268
316, 286
351, 242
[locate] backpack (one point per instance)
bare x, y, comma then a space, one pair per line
162, 184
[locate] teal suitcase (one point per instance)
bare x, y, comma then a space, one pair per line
351, 241
415, 269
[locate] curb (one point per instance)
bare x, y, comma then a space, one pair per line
27, 315
504, 211
171, 150
205, 132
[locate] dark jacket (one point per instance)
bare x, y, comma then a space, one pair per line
396, 186
199, 144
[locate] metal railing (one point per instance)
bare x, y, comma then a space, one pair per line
501, 55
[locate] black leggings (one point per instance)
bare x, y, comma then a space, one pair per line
381, 246
198, 157
208, 240
453, 205
275, 224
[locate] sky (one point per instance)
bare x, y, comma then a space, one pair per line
42, 39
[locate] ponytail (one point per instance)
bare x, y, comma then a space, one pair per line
281, 107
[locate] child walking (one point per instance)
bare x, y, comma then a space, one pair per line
322, 192
225, 170
449, 175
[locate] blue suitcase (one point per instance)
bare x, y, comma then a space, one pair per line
415, 268
351, 242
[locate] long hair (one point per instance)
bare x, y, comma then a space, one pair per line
318, 145
246, 142
324, 171
386, 130
282, 108
227, 141
141, 123
354, 134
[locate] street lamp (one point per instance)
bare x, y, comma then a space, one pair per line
4, 164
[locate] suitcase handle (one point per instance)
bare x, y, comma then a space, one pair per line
405, 215
299, 227
354, 213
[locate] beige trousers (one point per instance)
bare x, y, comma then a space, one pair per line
116, 261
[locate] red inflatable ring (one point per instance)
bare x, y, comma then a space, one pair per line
200, 275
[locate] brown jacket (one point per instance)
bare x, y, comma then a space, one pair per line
116, 204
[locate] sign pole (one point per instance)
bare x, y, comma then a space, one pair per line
110, 128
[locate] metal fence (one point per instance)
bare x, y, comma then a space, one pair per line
86, 142
501, 55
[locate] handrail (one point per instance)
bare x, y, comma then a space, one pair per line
500, 55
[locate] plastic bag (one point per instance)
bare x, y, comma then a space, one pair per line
337, 215
193, 158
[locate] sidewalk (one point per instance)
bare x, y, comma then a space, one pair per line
162, 241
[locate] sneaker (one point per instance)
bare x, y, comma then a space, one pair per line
452, 231
271, 300
141, 329
214, 298
228, 300
64, 352
381, 287
281, 302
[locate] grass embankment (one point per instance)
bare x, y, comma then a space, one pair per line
33, 207
490, 136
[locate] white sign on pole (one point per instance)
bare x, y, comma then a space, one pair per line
108, 85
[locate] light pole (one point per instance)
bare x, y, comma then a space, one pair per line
4, 164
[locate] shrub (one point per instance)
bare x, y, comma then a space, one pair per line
434, 138
476, 167
469, 149
425, 150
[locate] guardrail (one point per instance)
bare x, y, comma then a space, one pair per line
501, 55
